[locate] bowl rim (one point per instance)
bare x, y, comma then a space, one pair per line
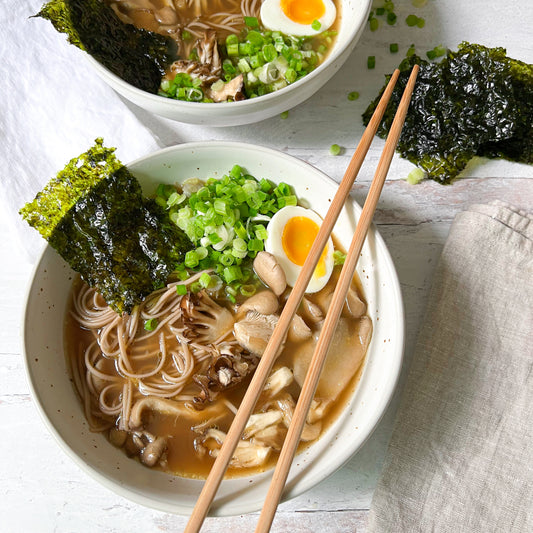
309, 480
249, 102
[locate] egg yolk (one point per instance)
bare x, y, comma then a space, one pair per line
297, 238
303, 11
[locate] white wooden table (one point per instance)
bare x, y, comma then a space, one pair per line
40, 487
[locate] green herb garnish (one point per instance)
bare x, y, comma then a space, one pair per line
150, 324
334, 149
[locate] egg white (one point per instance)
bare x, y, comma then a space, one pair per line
274, 245
273, 18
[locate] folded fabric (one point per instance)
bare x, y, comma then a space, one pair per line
461, 454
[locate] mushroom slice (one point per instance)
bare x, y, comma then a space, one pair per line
318, 409
172, 408
232, 89
272, 436
277, 381
153, 451
311, 312
254, 332
209, 321
298, 329
264, 302
310, 431
260, 421
266, 266
246, 454
344, 358
353, 306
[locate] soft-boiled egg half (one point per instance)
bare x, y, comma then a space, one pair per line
298, 17
291, 233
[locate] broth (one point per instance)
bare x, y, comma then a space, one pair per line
200, 29
189, 453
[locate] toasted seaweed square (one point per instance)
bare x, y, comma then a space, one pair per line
96, 217
476, 101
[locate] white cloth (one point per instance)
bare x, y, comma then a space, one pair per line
461, 454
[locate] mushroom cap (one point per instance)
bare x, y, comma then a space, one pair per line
268, 269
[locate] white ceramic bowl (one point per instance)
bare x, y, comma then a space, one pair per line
61, 410
354, 17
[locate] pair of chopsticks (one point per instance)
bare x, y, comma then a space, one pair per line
269, 356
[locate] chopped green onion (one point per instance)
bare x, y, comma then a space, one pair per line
419, 3
334, 149
232, 273
191, 259
374, 24
338, 257
421, 22
150, 324
371, 62
380, 11
248, 290
393, 47
354, 95
290, 75
181, 290
391, 18
411, 20
415, 176
196, 287
204, 280
255, 245
186, 35
316, 25
232, 49
251, 22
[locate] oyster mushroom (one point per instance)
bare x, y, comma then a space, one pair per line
259, 421
311, 312
339, 367
172, 408
229, 366
254, 331
277, 381
266, 266
298, 330
247, 454
310, 431
264, 302
209, 321
353, 306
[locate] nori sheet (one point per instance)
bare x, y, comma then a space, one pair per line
94, 214
476, 101
138, 56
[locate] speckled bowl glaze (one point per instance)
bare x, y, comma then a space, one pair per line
60, 408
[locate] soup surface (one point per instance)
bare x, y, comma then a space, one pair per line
226, 52
164, 383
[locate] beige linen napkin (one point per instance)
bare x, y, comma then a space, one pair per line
461, 454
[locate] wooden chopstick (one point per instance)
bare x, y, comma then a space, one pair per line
330, 323
271, 352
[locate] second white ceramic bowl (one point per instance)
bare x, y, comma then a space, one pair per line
353, 19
